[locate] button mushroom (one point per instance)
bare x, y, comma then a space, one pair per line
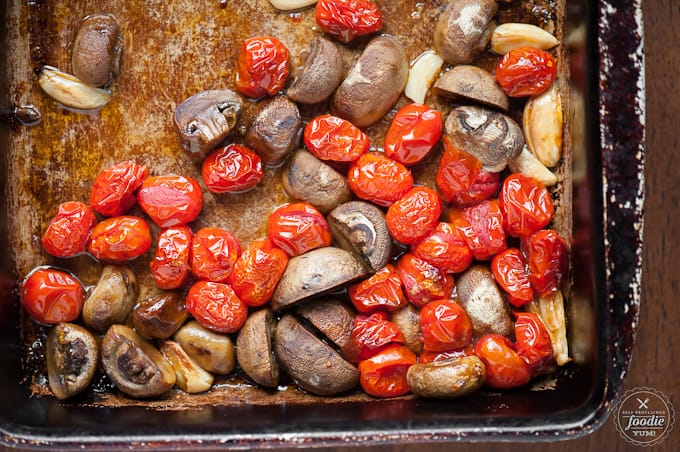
472, 83
135, 366
97, 50
275, 131
447, 379
159, 317
464, 29
254, 351
112, 299
205, 119
189, 377
320, 75
72, 355
481, 298
212, 351
407, 319
332, 318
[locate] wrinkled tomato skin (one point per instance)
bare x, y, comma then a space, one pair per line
119, 239
510, 271
526, 71
171, 200
414, 131
525, 204
335, 139
371, 333
414, 216
171, 266
214, 252
433, 357
297, 228
262, 67
444, 249
51, 296
444, 325
423, 282
481, 226
216, 307
533, 341
384, 374
346, 20
379, 179
546, 255
113, 190
233, 168
505, 369
380, 291
257, 271
69, 230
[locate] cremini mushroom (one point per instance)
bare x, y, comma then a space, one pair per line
471, 83
481, 298
112, 299
407, 319
275, 131
158, 317
464, 29
212, 351
320, 75
254, 351
97, 50
72, 354
447, 379
332, 318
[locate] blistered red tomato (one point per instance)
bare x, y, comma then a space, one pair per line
231, 169
504, 367
371, 333
379, 179
346, 20
119, 239
213, 254
546, 254
526, 71
432, 357
414, 131
52, 296
216, 307
481, 226
384, 374
113, 190
69, 230
171, 200
525, 204
171, 266
444, 249
297, 228
533, 341
262, 67
257, 271
444, 325
380, 291
414, 216
331, 138
422, 281
510, 271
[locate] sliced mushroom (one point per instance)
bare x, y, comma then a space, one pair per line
189, 377
332, 318
97, 50
320, 75
472, 83
275, 131
72, 353
212, 351
492, 137
254, 351
481, 298
205, 119
360, 228
159, 317
314, 365
447, 379
112, 299
135, 366
315, 273
464, 29
407, 319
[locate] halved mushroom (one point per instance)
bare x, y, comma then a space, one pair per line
307, 178
320, 75
205, 119
464, 29
333, 318
407, 319
447, 379
189, 376
359, 227
97, 50
135, 366
254, 351
481, 298
212, 351
314, 365
72, 353
275, 131
159, 317
112, 299
315, 273
472, 83
492, 137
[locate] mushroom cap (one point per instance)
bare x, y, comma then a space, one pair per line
254, 351
472, 83
333, 318
71, 353
407, 319
275, 131
212, 351
453, 378
483, 302
320, 75
112, 299
159, 317
97, 50
464, 29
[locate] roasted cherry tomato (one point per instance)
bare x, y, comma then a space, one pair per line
482, 228
461, 180
546, 255
171, 266
336, 139
533, 341
379, 179
444, 249
431, 357
257, 272
380, 291
214, 252
384, 374
348, 19
373, 332
510, 271
113, 190
525, 204
422, 281
52, 296
414, 131
231, 169
69, 230
297, 228
504, 367
118, 239
444, 325
216, 306
262, 67
526, 71
414, 216
171, 200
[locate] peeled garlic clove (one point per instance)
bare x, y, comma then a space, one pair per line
527, 164
70, 91
507, 37
422, 74
550, 309
288, 5
190, 377
543, 126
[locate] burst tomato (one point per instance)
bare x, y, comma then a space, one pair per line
171, 266
346, 20
379, 179
509, 269
444, 325
216, 306
371, 333
335, 139
262, 67
414, 131
422, 281
171, 200
297, 228
380, 291
481, 226
214, 252
526, 71
52, 296
118, 239
525, 204
533, 341
231, 169
432, 357
69, 230
444, 249
504, 367
546, 255
113, 190
414, 216
384, 374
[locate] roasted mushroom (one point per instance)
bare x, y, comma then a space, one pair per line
205, 119
254, 351
320, 75
112, 299
447, 379
332, 318
407, 319
189, 377
72, 355
97, 50
472, 83
464, 29
212, 351
275, 131
159, 317
481, 298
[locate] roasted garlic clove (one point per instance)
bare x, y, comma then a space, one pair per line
290, 5
543, 126
212, 351
70, 91
422, 74
550, 309
189, 376
527, 164
509, 36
